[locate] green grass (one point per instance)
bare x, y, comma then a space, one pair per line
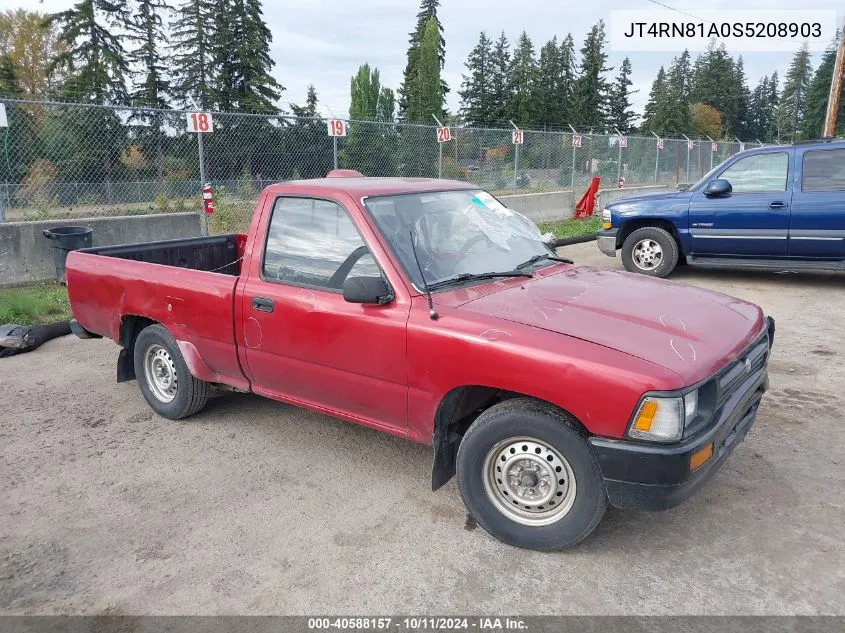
573, 228
29, 305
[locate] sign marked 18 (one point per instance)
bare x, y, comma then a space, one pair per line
444, 135
199, 122
714, 147
336, 127
518, 137
660, 143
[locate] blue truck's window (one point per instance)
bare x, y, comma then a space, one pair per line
758, 173
824, 170
308, 241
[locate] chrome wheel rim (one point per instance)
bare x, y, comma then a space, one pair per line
160, 373
647, 254
529, 481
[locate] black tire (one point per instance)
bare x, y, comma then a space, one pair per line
668, 246
191, 394
526, 418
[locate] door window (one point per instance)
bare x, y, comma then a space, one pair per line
314, 243
759, 173
824, 170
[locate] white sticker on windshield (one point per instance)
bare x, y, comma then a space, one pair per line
484, 199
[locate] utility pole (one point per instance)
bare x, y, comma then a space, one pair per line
835, 88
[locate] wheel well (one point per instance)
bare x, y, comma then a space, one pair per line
130, 327
632, 225
456, 412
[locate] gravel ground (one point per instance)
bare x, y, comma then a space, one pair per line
257, 507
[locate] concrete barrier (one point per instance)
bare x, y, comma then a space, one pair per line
557, 205
25, 252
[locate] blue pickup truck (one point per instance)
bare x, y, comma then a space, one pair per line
779, 207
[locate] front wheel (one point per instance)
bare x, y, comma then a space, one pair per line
163, 376
528, 476
650, 251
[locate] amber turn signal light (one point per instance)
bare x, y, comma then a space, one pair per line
646, 416
700, 456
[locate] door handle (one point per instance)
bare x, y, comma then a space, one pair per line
778, 205
262, 304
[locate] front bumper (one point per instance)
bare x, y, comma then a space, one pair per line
644, 476
606, 240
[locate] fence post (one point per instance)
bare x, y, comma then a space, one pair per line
203, 215
574, 133
5, 204
688, 153
334, 145
656, 156
619, 157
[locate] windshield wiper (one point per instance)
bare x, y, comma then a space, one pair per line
475, 276
542, 256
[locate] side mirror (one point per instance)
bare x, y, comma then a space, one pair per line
366, 290
718, 188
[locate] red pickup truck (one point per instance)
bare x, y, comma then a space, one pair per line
426, 309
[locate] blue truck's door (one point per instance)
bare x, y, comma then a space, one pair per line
754, 220
817, 225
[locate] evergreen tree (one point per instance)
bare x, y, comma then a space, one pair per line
146, 29
92, 57
654, 105
818, 93
544, 92
621, 115
371, 147
675, 114
720, 82
428, 10
793, 100
591, 88
193, 41
566, 82
476, 90
307, 142
21, 133
423, 98
499, 85
521, 80
242, 58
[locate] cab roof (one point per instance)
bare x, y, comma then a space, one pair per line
359, 187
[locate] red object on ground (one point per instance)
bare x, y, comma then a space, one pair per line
207, 199
622, 182
587, 204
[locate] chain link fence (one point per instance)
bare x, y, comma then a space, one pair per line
79, 161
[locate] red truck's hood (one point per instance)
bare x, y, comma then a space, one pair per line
686, 329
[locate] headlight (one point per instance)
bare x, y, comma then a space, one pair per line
606, 221
663, 419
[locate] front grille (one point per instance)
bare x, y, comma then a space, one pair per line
737, 372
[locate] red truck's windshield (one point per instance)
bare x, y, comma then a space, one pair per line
454, 232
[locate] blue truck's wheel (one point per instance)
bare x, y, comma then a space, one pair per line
528, 476
164, 377
650, 250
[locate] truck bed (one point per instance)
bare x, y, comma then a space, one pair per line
218, 253
187, 285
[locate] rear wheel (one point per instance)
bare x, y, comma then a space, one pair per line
528, 476
164, 377
650, 251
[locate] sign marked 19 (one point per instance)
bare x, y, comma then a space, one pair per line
444, 135
199, 122
336, 127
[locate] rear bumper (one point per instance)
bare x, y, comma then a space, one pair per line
606, 241
644, 476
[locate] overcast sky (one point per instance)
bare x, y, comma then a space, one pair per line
324, 41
